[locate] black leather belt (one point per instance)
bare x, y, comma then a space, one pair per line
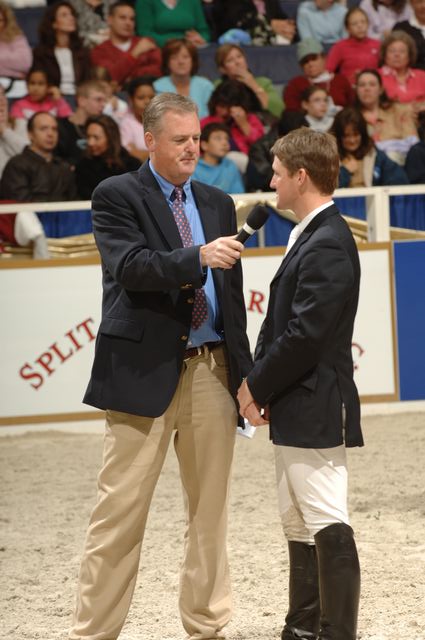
199, 351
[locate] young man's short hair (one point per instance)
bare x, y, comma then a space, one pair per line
119, 3
315, 152
84, 88
212, 127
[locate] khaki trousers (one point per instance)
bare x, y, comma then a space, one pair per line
203, 415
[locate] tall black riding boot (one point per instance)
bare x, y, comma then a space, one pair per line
302, 621
339, 581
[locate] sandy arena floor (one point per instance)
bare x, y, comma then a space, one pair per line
48, 489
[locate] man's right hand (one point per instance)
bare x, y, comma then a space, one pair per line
221, 253
143, 45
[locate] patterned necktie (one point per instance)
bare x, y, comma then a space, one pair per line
200, 310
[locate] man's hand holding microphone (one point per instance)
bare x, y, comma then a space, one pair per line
223, 252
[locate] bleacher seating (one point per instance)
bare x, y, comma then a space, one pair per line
28, 19
277, 63
280, 64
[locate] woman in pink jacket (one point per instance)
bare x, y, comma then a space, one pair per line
15, 53
230, 104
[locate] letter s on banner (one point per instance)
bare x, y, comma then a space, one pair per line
30, 375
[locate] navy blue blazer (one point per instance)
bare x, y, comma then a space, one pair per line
148, 281
303, 363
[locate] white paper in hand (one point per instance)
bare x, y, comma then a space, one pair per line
248, 432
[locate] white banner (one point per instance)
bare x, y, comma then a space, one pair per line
50, 316
373, 351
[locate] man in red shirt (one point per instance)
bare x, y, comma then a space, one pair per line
124, 54
313, 63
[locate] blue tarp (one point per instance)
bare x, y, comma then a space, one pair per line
407, 212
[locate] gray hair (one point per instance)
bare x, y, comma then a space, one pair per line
399, 36
162, 104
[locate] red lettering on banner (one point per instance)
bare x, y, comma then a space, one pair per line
45, 359
29, 376
255, 301
86, 327
57, 354
73, 340
357, 351
54, 347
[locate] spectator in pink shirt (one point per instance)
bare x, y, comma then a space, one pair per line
401, 81
40, 97
415, 27
350, 55
140, 93
15, 52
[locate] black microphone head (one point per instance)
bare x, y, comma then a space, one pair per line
257, 216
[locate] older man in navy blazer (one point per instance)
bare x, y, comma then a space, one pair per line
303, 379
170, 354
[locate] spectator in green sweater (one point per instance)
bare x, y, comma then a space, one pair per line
232, 63
166, 19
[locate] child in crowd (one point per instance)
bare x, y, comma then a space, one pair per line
40, 97
115, 107
314, 113
315, 102
213, 167
140, 93
350, 55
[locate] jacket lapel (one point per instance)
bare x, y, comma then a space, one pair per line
210, 217
305, 235
158, 208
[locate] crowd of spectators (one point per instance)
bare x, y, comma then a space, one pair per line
71, 109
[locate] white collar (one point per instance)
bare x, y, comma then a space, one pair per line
306, 221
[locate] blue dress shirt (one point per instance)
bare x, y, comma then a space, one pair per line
211, 330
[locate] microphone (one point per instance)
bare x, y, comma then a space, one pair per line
255, 220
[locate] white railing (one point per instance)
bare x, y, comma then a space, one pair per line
377, 205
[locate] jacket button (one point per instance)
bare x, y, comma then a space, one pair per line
184, 338
190, 300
